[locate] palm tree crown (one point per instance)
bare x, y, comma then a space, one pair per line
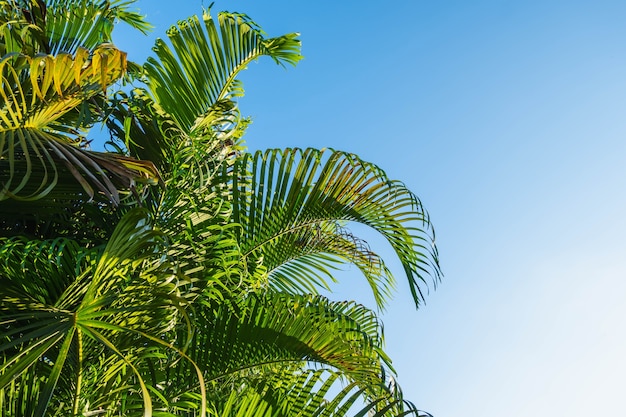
178, 274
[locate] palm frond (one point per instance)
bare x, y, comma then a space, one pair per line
63, 305
308, 392
243, 337
291, 205
38, 122
87, 23
64, 26
200, 68
258, 347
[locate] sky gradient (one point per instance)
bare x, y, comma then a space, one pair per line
507, 119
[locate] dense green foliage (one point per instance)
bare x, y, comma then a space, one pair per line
177, 274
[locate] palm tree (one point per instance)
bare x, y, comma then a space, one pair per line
179, 274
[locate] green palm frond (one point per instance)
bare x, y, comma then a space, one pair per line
89, 23
241, 338
64, 26
257, 347
308, 392
291, 205
187, 123
200, 69
64, 307
289, 393
310, 254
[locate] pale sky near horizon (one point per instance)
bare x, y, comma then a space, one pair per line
507, 119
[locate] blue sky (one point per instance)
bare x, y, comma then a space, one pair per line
507, 119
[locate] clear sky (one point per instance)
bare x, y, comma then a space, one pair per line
508, 119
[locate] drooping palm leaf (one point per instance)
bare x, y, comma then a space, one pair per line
320, 393
37, 126
242, 339
310, 254
291, 204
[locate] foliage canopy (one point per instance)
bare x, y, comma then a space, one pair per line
176, 273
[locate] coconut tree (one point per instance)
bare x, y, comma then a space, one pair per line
178, 274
